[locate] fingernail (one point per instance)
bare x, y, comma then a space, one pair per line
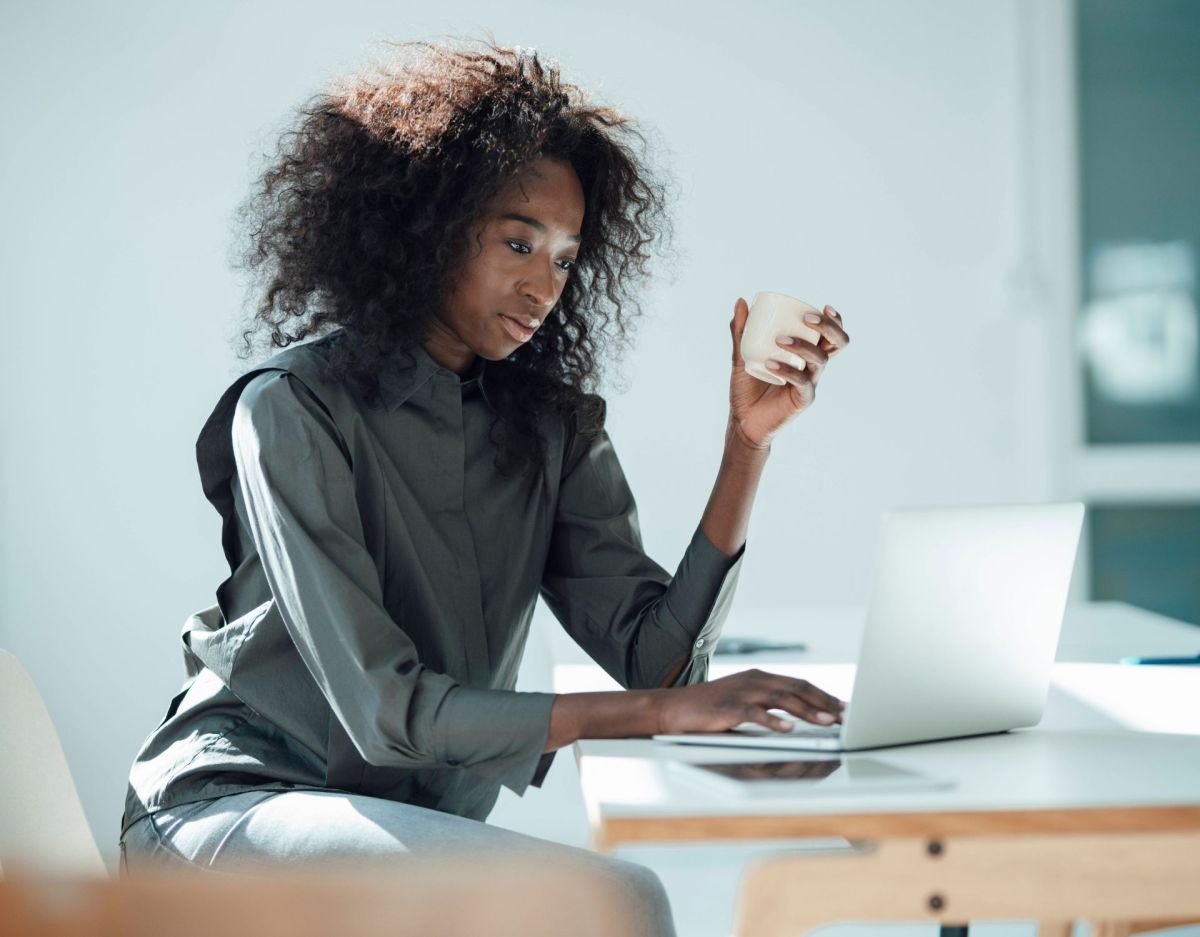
825, 717
784, 339
811, 317
773, 365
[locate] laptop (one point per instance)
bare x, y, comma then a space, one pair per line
961, 630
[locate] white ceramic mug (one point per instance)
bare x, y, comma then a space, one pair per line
772, 315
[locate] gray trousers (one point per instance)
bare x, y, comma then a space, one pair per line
242, 831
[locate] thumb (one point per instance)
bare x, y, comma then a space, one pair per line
741, 312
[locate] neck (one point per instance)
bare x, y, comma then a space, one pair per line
459, 359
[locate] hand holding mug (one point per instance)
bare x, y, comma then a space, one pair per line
786, 344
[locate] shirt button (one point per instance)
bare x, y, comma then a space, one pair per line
700, 643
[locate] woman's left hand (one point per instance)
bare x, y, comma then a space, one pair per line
759, 410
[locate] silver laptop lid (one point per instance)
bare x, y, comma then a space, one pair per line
963, 621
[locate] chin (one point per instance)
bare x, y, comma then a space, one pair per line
495, 356
500, 353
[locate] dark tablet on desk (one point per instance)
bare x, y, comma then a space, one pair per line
804, 777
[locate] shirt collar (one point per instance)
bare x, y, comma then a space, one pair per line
407, 370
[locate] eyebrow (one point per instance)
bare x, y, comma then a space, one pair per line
533, 223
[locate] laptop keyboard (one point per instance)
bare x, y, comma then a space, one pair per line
800, 728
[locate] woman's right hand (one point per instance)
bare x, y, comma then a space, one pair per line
745, 697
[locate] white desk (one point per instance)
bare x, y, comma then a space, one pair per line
1117, 754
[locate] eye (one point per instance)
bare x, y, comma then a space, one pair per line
520, 248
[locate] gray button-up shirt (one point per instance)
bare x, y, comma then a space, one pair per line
383, 576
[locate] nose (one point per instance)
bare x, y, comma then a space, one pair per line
539, 289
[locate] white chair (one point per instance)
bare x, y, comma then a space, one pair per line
42, 825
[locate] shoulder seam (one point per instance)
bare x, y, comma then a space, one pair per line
340, 439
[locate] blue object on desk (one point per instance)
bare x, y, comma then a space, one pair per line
1193, 661
754, 645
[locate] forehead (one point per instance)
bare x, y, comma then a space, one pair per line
547, 189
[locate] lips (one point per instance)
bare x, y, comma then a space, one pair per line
518, 331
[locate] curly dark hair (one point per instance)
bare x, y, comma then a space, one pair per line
360, 219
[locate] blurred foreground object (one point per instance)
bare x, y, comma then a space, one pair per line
429, 899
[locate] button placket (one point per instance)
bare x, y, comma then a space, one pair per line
469, 589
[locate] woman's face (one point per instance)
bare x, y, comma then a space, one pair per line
518, 257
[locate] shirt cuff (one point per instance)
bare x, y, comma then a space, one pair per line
699, 600
495, 734
543, 766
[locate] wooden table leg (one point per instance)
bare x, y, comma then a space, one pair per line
1053, 879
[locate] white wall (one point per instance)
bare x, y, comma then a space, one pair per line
863, 154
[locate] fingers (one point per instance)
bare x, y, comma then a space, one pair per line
770, 700
814, 696
805, 379
838, 339
737, 325
797, 697
833, 334
807, 351
760, 716
803, 710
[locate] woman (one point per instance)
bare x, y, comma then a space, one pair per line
454, 231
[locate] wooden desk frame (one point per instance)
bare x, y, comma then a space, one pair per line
1125, 869
609, 833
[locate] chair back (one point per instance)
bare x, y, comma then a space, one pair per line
42, 825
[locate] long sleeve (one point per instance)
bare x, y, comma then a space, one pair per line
296, 480
632, 618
